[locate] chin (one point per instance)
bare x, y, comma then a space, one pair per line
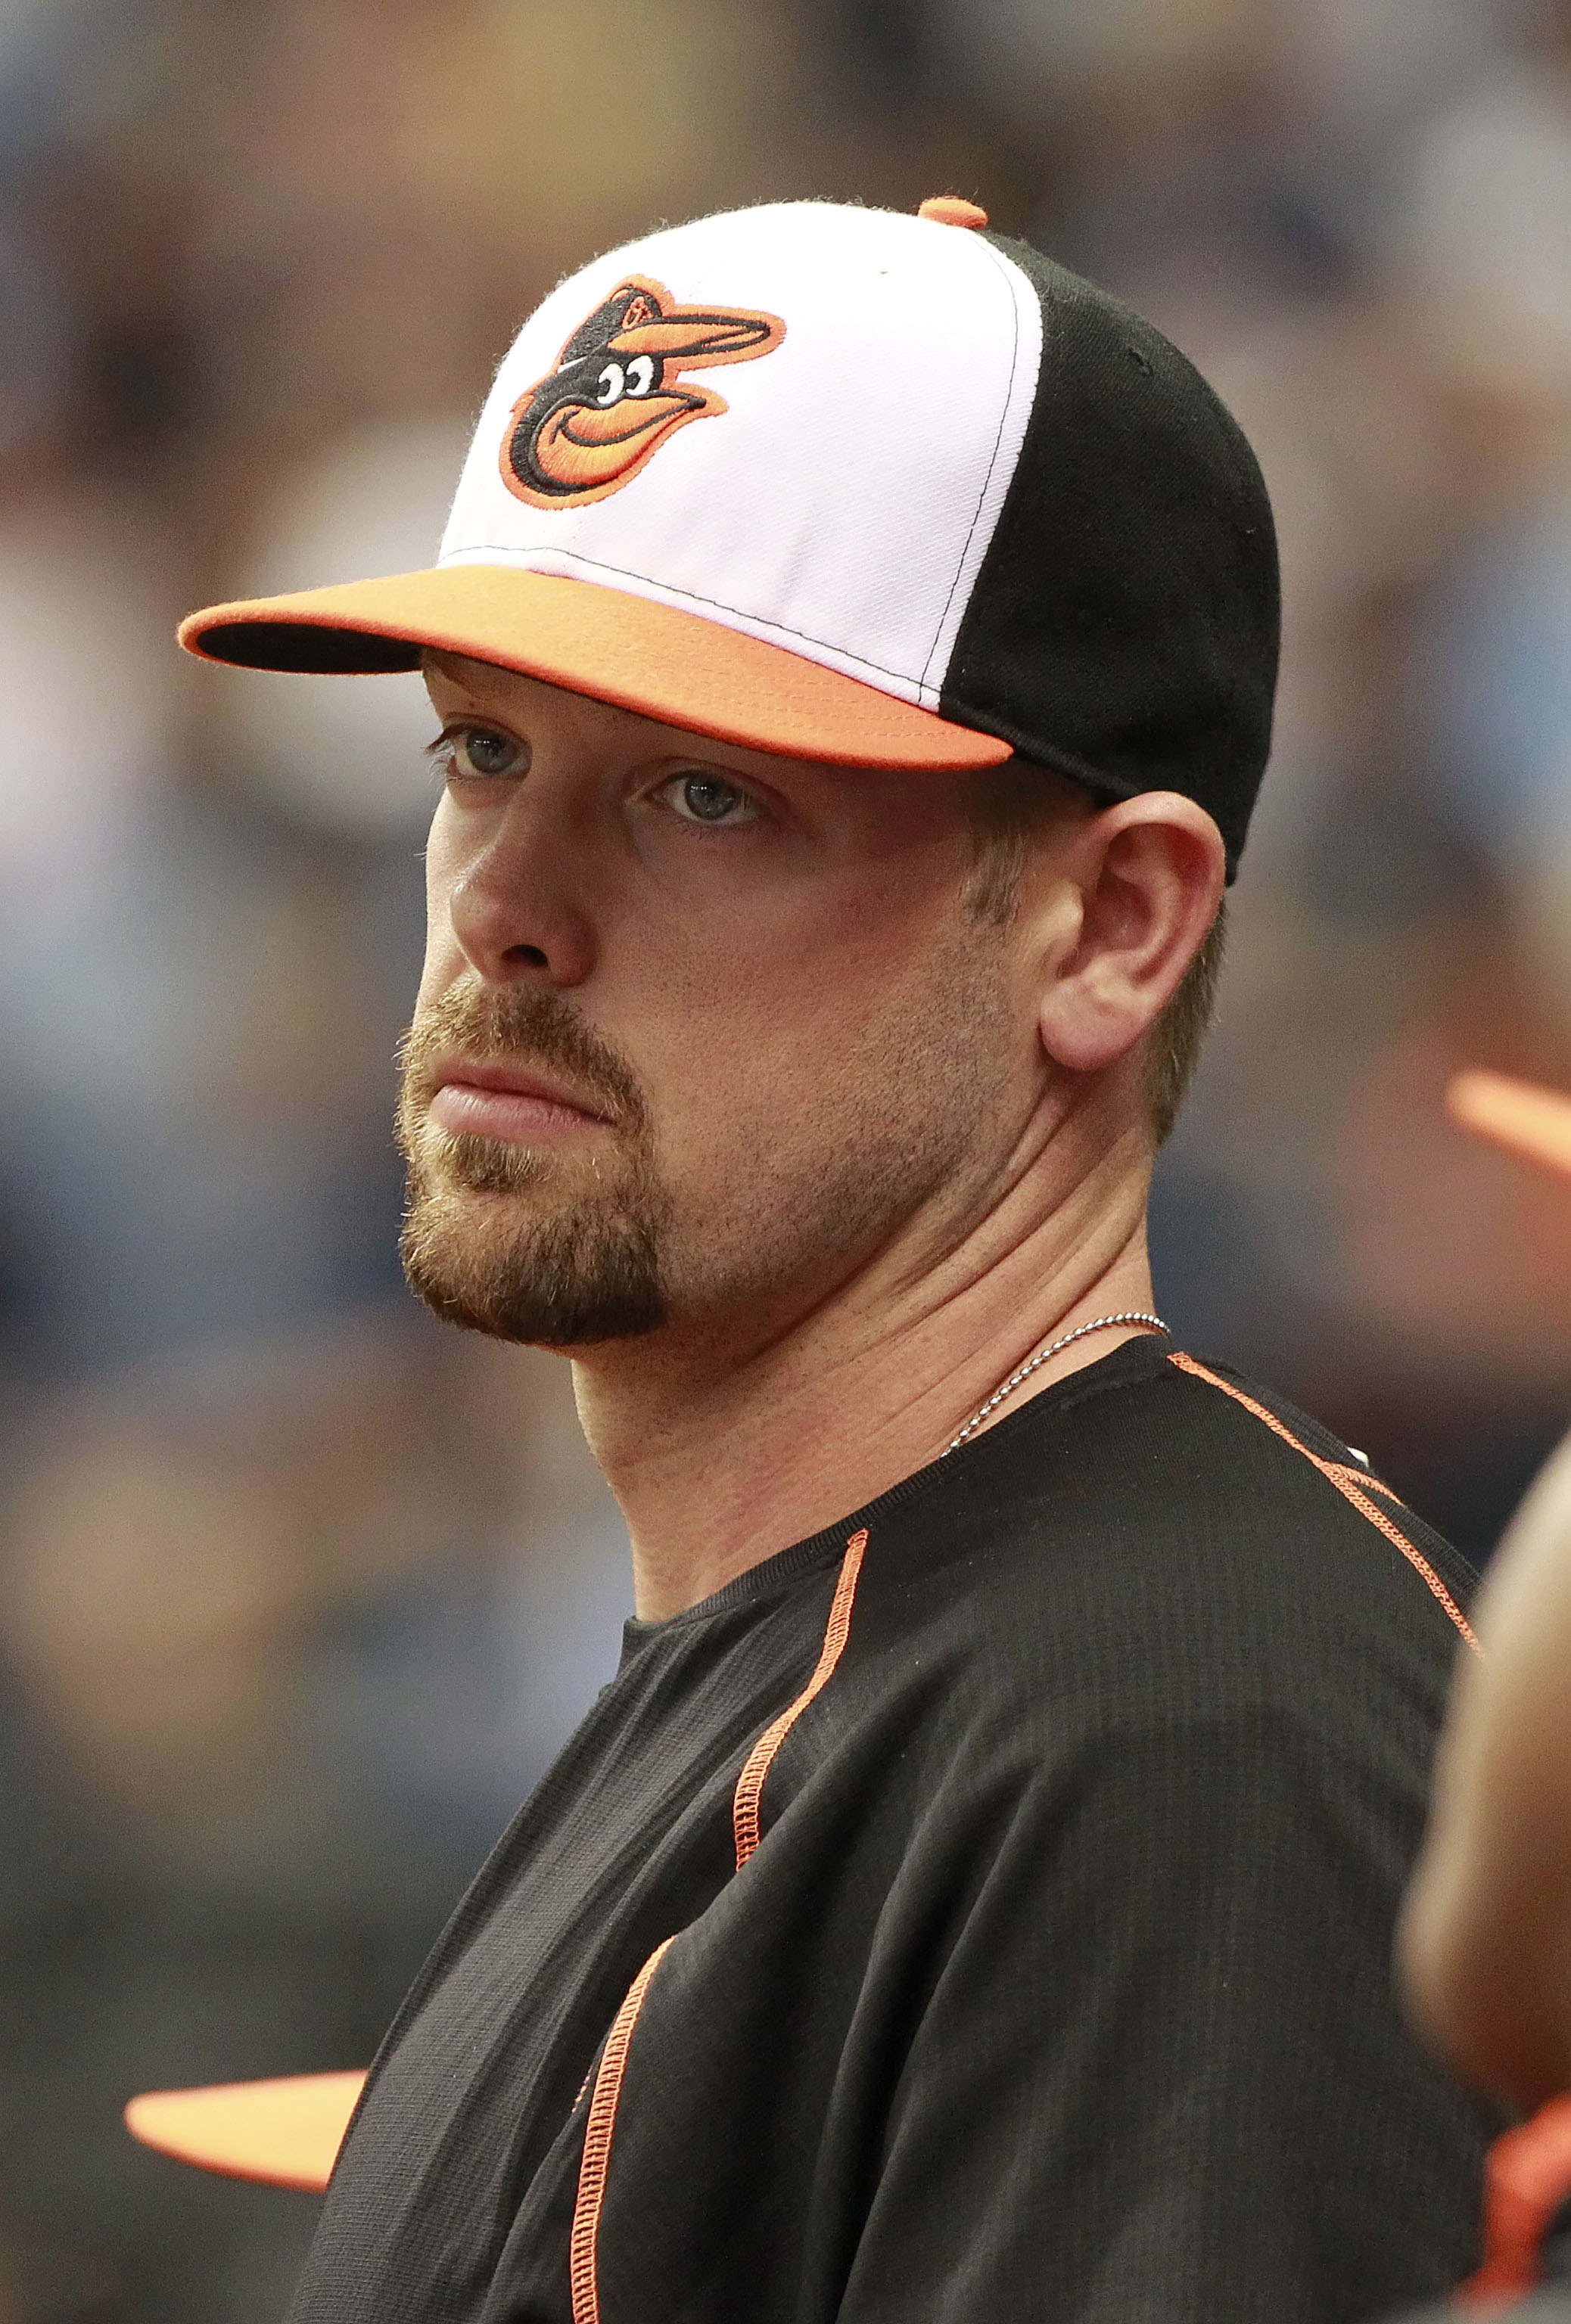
566, 1275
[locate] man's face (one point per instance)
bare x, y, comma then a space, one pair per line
702, 1033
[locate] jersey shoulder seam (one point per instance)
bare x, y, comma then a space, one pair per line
1352, 1483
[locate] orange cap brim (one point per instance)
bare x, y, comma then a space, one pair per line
1520, 1116
286, 2133
663, 662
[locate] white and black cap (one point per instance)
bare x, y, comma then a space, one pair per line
853, 485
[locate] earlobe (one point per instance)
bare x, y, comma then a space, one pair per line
1151, 872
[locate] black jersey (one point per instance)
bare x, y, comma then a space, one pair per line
979, 1913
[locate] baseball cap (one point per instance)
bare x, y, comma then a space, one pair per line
855, 485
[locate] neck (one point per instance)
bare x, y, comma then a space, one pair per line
723, 1453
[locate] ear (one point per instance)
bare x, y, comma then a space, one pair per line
1149, 873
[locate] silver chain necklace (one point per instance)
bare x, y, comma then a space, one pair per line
1101, 1323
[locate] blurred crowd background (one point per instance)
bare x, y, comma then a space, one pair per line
298, 1591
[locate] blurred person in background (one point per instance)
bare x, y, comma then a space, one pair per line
1484, 1944
1486, 1934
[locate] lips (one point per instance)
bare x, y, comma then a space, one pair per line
514, 1102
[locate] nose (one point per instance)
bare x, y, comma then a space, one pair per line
512, 907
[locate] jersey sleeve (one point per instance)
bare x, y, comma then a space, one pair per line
1159, 2072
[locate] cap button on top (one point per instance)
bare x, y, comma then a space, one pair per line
951, 209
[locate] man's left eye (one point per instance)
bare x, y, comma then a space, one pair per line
710, 798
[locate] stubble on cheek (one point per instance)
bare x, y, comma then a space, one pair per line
545, 1250
870, 1116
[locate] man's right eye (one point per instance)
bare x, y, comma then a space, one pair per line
479, 753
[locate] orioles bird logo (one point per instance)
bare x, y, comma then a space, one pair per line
614, 398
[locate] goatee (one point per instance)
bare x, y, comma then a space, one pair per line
538, 1248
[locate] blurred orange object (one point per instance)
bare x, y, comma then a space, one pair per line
285, 2133
1526, 2179
1520, 1116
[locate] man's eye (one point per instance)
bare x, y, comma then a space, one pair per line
710, 798
479, 753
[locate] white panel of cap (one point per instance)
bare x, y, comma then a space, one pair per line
842, 502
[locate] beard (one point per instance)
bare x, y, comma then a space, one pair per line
543, 1249
831, 1146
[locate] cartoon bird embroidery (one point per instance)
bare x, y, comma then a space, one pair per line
614, 397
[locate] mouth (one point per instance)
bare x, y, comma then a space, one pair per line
519, 1104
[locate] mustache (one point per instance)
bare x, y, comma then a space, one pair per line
518, 1025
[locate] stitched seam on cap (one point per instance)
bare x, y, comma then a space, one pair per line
992, 461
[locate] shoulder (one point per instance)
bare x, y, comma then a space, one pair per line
1302, 1511
1166, 1541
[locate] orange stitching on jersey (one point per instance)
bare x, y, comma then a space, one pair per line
749, 1793
1349, 1482
583, 2269
582, 2272
1343, 1472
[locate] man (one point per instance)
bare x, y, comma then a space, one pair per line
972, 1898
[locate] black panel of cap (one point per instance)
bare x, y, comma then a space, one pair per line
1124, 625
